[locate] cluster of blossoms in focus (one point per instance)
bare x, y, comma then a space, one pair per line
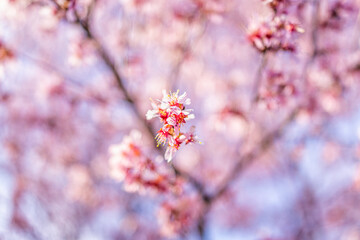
275, 35
139, 173
173, 115
129, 164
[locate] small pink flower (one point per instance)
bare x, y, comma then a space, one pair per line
163, 135
190, 136
174, 144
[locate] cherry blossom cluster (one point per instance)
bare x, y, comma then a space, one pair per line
275, 35
173, 115
277, 91
141, 174
129, 164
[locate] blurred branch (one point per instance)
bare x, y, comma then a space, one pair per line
269, 139
249, 158
246, 160
105, 56
18, 219
47, 66
315, 24
309, 213
314, 41
309, 205
258, 77
90, 10
185, 50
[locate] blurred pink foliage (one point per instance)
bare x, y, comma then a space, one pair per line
275, 88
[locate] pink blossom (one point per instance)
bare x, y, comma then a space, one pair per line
173, 115
130, 165
275, 35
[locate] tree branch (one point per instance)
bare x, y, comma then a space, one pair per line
254, 154
85, 26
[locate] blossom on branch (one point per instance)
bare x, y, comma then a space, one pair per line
275, 35
129, 164
173, 115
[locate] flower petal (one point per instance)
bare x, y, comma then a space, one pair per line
151, 114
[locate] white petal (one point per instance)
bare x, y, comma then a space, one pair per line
166, 97
187, 111
171, 121
154, 105
118, 174
175, 110
187, 101
151, 114
182, 138
182, 96
169, 153
164, 105
171, 140
135, 135
190, 116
